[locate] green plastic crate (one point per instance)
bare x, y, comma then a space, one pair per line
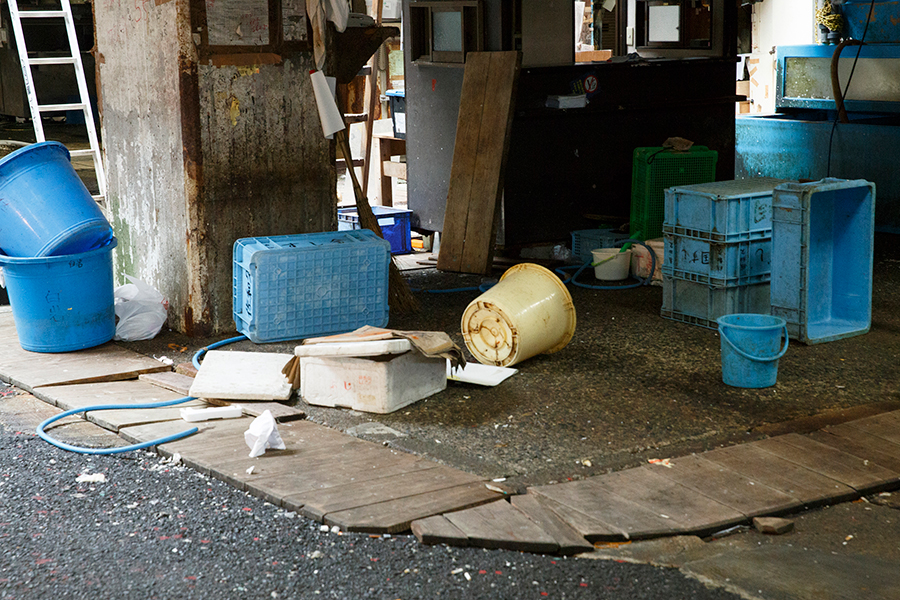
656, 169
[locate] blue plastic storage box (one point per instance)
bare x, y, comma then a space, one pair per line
394, 223
722, 211
297, 286
699, 304
585, 240
822, 240
716, 264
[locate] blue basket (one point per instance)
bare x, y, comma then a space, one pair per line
699, 304
822, 242
62, 303
394, 223
717, 264
585, 240
722, 211
297, 286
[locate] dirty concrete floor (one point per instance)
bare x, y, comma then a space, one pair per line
630, 386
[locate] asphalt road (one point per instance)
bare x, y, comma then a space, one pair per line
153, 529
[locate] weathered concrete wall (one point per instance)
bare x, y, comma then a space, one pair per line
206, 144
138, 60
267, 168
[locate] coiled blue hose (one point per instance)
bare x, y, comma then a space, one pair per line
579, 269
171, 438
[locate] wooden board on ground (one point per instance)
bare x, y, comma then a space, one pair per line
395, 516
280, 412
438, 530
318, 503
798, 481
854, 471
486, 108
584, 525
169, 380
622, 518
29, 370
886, 426
568, 540
689, 511
126, 393
499, 525
859, 443
728, 487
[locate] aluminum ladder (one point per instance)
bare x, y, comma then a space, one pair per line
74, 59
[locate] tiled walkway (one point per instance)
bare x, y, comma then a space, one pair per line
362, 486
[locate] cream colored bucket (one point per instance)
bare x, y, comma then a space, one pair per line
613, 264
528, 312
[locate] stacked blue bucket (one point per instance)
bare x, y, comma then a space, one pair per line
55, 252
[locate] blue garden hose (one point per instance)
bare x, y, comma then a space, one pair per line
579, 269
177, 436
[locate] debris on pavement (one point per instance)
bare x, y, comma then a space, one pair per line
262, 435
773, 525
91, 478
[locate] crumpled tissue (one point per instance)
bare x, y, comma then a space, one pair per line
262, 435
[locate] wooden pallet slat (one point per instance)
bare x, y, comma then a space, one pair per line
486, 107
859, 443
856, 472
318, 503
438, 530
728, 487
500, 525
568, 540
599, 513
811, 487
395, 516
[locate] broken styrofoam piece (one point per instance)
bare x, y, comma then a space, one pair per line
480, 374
367, 348
242, 376
194, 415
263, 434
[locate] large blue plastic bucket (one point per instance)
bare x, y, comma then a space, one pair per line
751, 347
45, 209
62, 303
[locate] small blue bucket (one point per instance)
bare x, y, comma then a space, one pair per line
45, 209
62, 303
751, 347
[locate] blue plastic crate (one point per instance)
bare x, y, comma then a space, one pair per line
699, 304
717, 264
822, 241
585, 240
394, 223
722, 211
297, 286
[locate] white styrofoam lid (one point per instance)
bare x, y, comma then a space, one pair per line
368, 348
242, 376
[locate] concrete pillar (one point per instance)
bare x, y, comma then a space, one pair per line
211, 134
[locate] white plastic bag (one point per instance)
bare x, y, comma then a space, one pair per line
262, 435
140, 310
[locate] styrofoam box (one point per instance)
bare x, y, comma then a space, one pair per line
721, 211
297, 286
718, 264
699, 304
823, 238
376, 385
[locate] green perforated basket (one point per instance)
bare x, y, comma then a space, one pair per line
656, 169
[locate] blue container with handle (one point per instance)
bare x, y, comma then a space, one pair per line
45, 209
62, 303
751, 347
